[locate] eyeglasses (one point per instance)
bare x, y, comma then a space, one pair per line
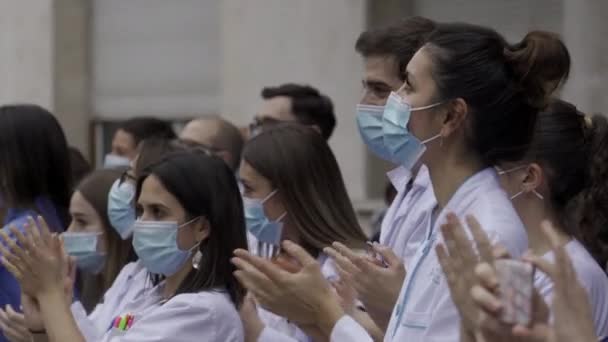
193, 145
256, 126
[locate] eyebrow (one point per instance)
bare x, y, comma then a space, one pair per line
78, 214
375, 83
154, 204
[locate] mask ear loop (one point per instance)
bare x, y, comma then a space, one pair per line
269, 196
536, 193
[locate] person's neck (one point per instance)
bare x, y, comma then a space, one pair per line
449, 174
173, 281
535, 213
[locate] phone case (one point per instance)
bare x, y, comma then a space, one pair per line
516, 281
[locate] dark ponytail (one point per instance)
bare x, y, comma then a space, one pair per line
572, 149
593, 201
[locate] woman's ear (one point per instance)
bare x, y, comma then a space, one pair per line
455, 117
534, 178
202, 229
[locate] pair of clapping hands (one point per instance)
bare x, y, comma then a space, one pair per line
478, 290
37, 259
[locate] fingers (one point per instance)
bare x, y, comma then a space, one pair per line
484, 246
500, 252
445, 263
342, 261
563, 275
45, 233
388, 255
259, 265
546, 266
33, 232
486, 300
551, 234
13, 327
15, 316
540, 309
299, 254
448, 270
12, 269
12, 246
464, 245
12, 262
487, 276
367, 267
4, 320
286, 264
251, 278
458, 246
23, 241
538, 333
345, 251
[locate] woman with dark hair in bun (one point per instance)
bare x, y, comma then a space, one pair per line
562, 179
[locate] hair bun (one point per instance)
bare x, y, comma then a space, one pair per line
541, 63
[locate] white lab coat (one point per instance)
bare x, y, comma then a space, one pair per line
592, 278
204, 316
129, 285
278, 328
424, 310
402, 230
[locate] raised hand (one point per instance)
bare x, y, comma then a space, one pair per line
304, 297
377, 284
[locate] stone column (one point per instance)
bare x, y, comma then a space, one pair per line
43, 60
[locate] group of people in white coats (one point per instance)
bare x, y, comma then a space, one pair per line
491, 168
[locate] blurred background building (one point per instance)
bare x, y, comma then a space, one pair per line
94, 62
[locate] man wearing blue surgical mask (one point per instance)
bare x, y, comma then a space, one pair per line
128, 136
386, 52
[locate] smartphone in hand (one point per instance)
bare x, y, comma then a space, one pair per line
516, 285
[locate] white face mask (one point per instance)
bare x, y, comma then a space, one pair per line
113, 161
517, 168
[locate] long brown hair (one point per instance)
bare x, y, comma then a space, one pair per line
300, 165
95, 188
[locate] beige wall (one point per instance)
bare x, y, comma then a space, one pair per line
269, 42
114, 58
26, 51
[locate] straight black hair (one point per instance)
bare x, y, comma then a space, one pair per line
142, 128
206, 187
399, 40
35, 163
572, 149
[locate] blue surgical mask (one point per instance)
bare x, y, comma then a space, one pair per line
369, 120
155, 243
258, 224
113, 161
121, 211
83, 247
403, 147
